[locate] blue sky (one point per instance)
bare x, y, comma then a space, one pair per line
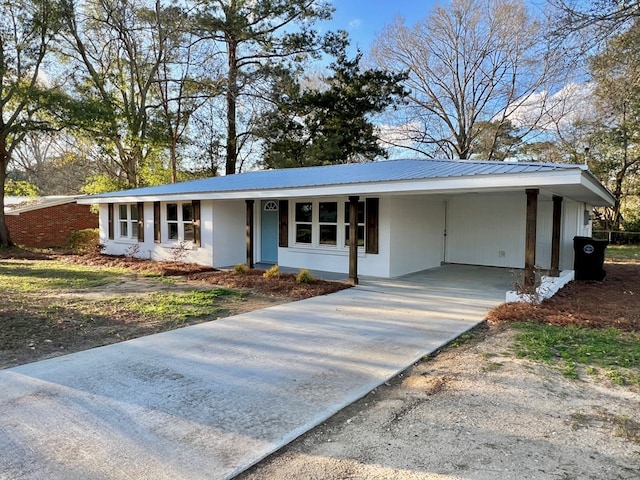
363, 19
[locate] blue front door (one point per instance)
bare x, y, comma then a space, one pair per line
269, 231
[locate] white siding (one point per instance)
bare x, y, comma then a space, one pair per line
486, 230
417, 234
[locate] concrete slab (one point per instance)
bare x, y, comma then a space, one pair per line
209, 401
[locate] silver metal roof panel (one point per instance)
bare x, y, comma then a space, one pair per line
354, 173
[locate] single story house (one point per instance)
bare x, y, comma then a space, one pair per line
46, 222
381, 219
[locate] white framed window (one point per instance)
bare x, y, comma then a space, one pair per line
361, 223
328, 223
180, 221
128, 220
304, 222
325, 224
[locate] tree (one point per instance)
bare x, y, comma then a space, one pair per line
331, 124
257, 38
615, 143
116, 48
495, 140
26, 31
601, 18
474, 61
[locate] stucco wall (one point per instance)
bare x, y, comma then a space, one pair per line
51, 226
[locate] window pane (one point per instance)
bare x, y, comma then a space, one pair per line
188, 231
360, 212
304, 212
360, 236
186, 212
123, 212
328, 212
172, 211
134, 212
303, 233
134, 230
173, 231
124, 230
328, 234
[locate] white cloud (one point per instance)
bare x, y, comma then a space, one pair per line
569, 104
397, 135
355, 24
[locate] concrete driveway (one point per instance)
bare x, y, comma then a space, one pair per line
209, 401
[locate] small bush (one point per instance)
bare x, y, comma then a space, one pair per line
241, 269
304, 276
273, 272
84, 241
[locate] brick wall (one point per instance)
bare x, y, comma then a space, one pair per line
50, 226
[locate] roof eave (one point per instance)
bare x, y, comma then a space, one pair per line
418, 186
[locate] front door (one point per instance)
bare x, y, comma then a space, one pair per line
269, 231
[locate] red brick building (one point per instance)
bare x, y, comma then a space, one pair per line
47, 222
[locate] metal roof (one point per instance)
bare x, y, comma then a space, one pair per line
353, 173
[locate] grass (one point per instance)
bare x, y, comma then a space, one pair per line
623, 253
173, 306
33, 306
610, 352
39, 275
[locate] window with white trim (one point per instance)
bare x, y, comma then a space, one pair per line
361, 228
128, 220
304, 222
180, 221
328, 223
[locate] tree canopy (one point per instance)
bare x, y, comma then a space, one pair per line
332, 123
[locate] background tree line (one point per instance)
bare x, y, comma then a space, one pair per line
100, 95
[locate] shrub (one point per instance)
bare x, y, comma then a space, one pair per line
273, 272
84, 241
241, 269
304, 276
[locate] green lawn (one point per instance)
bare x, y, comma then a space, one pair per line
607, 352
623, 253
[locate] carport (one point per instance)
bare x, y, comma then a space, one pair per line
208, 401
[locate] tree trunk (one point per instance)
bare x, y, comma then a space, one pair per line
5, 239
231, 97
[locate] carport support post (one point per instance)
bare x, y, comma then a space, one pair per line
249, 233
353, 239
530, 238
555, 236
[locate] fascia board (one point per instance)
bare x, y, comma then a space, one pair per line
593, 185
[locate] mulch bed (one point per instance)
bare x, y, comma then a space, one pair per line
614, 302
284, 285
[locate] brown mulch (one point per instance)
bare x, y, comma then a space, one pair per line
614, 302
285, 285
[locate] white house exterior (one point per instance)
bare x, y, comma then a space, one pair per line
411, 215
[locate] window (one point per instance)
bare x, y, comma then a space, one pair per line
360, 224
328, 222
172, 220
304, 222
183, 221
128, 217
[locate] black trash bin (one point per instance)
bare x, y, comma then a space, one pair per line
589, 258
